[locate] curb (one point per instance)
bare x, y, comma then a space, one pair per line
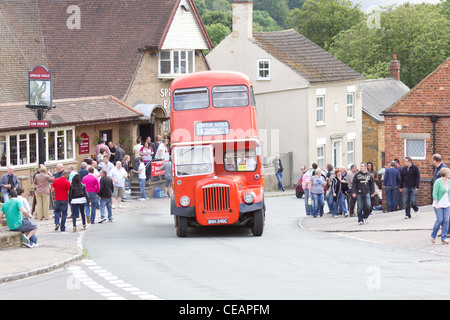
35, 272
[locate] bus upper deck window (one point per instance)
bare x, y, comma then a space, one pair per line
230, 96
188, 99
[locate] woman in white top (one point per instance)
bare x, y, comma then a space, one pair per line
441, 204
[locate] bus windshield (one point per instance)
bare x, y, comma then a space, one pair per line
188, 99
230, 96
191, 161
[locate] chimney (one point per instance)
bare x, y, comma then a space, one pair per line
394, 68
242, 18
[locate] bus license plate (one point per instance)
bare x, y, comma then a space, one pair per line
217, 221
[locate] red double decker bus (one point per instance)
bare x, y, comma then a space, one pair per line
215, 153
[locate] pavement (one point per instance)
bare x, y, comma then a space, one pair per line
57, 250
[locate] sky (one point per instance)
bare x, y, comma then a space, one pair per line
366, 4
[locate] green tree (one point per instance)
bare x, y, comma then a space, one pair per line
277, 9
417, 33
321, 20
217, 32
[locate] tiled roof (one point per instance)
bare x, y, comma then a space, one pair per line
379, 94
77, 111
100, 58
304, 56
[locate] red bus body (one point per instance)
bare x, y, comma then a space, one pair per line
215, 152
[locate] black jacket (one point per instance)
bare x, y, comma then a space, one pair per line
76, 192
106, 187
363, 183
410, 177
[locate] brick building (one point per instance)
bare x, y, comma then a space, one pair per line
418, 125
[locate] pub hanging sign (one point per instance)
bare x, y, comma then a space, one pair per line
40, 88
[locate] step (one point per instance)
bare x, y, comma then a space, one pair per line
9, 239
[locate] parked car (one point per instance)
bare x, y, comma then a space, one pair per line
299, 192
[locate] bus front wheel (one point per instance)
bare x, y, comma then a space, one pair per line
181, 226
258, 223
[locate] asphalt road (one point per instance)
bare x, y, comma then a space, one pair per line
139, 257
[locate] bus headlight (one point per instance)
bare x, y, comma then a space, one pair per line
185, 201
249, 197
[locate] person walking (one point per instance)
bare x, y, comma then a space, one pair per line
78, 198
399, 193
351, 202
391, 180
42, 190
278, 167
61, 188
168, 176
317, 185
409, 185
338, 189
441, 205
306, 178
363, 188
92, 189
105, 195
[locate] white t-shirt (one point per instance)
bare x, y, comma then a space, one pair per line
162, 152
142, 169
119, 176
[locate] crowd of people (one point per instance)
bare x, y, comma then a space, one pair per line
343, 191
98, 185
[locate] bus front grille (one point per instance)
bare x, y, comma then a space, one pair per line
216, 198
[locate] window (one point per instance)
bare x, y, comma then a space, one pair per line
59, 145
193, 161
242, 160
176, 62
188, 99
350, 106
321, 156
320, 109
351, 152
263, 69
230, 96
416, 148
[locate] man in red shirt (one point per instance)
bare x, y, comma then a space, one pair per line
61, 187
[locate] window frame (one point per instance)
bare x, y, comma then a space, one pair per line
320, 108
414, 157
351, 106
265, 68
176, 62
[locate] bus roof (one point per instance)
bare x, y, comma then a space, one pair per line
209, 78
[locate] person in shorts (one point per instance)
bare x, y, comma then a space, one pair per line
13, 209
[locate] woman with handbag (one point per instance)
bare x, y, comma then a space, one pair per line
78, 197
338, 189
317, 185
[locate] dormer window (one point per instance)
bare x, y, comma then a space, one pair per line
173, 63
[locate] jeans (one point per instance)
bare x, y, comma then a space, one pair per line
391, 198
442, 218
308, 207
61, 208
410, 197
339, 204
280, 180
106, 202
90, 211
399, 195
142, 187
318, 203
364, 203
75, 209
